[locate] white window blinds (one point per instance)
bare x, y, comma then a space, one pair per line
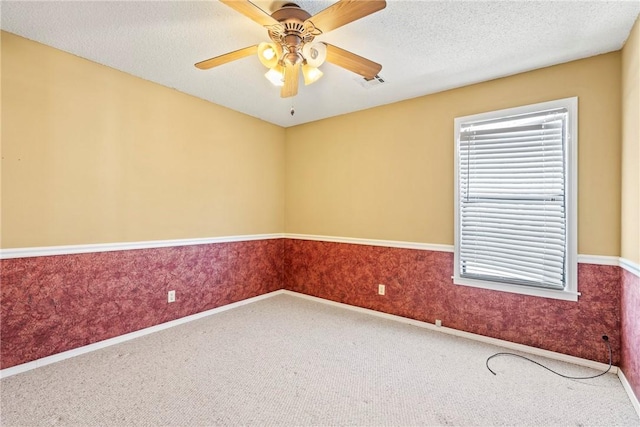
512, 211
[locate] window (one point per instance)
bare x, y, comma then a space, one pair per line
516, 176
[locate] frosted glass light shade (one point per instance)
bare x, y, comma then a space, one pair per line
267, 54
314, 53
310, 74
276, 75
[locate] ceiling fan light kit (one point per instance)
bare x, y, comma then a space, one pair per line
315, 53
276, 75
267, 54
292, 49
311, 74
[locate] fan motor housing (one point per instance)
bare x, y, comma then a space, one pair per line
290, 12
292, 34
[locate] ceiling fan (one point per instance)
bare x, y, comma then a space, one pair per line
292, 31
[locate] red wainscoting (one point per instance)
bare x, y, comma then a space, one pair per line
419, 286
56, 303
630, 362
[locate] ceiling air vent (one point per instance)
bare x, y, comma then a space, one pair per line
374, 82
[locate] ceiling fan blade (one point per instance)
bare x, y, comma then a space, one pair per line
291, 77
343, 12
251, 11
227, 57
352, 62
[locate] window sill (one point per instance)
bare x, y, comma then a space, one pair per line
566, 295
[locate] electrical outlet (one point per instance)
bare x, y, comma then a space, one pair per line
171, 296
381, 289
438, 322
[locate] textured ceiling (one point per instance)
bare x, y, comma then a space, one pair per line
423, 46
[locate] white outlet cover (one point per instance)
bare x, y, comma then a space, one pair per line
171, 296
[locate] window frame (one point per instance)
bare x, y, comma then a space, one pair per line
570, 292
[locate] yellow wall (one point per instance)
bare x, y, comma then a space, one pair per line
388, 172
94, 155
630, 223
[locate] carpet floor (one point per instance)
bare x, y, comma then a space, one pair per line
286, 360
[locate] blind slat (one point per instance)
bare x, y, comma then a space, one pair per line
512, 214
514, 264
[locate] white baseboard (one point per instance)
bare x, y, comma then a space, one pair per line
7, 372
506, 344
627, 387
126, 337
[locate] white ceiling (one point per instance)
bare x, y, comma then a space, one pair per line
423, 46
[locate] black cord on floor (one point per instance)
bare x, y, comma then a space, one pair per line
604, 337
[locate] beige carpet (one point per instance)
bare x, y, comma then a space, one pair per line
289, 361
